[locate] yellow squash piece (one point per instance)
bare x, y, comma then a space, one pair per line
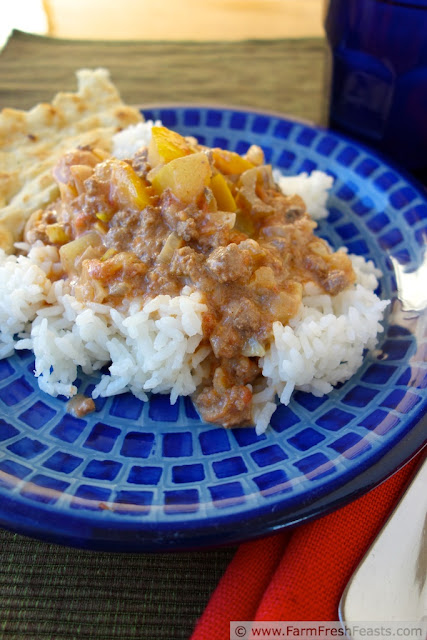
222, 193
57, 234
229, 162
127, 189
104, 216
166, 145
186, 177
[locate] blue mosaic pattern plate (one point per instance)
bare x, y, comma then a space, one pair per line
151, 476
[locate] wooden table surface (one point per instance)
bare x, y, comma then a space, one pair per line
184, 20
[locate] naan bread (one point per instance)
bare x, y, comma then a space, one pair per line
32, 141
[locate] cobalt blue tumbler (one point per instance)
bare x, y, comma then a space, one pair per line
378, 83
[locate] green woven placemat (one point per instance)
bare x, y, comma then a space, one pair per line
49, 592
278, 75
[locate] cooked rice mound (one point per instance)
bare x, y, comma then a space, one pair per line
158, 348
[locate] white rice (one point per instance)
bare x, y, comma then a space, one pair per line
158, 348
128, 141
313, 188
152, 348
322, 345
23, 290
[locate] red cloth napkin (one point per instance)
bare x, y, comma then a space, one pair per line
300, 574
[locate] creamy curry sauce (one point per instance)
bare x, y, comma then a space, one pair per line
179, 214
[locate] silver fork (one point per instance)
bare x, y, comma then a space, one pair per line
390, 584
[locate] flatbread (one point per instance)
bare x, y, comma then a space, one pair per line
32, 141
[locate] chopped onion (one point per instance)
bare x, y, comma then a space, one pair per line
173, 241
228, 219
70, 252
253, 348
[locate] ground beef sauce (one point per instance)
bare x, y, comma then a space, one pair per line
180, 214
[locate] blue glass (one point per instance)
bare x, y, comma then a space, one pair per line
150, 476
379, 75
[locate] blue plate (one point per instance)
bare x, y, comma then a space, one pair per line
149, 476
